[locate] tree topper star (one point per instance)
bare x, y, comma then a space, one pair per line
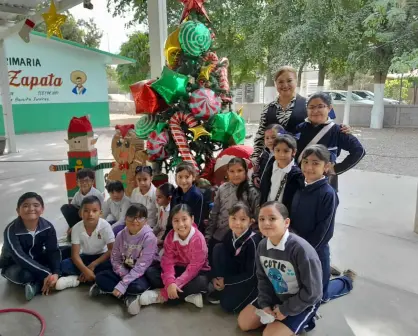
197, 5
54, 21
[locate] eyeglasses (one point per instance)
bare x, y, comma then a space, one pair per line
133, 219
314, 107
143, 169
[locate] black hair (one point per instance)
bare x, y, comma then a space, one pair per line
244, 186
240, 206
114, 186
325, 97
276, 127
143, 169
137, 209
167, 189
85, 172
320, 151
90, 200
28, 195
289, 140
187, 166
181, 207
280, 207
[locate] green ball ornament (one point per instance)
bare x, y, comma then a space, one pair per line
145, 125
194, 38
171, 86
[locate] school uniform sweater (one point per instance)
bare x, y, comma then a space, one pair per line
294, 182
265, 157
335, 141
225, 199
116, 211
289, 273
27, 250
191, 253
132, 255
313, 213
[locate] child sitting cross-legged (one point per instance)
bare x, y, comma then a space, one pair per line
114, 209
133, 256
91, 242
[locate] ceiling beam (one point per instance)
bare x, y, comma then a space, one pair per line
20, 10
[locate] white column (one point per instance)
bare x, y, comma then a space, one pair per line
347, 106
378, 110
9, 126
157, 21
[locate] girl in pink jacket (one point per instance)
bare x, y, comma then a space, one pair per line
184, 262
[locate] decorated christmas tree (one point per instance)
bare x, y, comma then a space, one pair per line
188, 110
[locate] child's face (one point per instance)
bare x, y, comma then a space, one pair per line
283, 154
318, 111
161, 199
313, 168
239, 222
90, 213
85, 185
135, 224
269, 137
184, 180
116, 196
30, 210
236, 174
143, 181
182, 223
271, 222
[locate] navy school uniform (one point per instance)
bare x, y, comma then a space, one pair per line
312, 217
234, 260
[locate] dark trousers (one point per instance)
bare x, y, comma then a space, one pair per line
234, 297
333, 181
69, 268
211, 245
332, 289
70, 213
18, 275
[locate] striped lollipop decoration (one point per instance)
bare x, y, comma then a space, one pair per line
223, 79
145, 125
204, 103
194, 38
156, 145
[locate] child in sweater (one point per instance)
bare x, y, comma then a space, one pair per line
134, 253
236, 189
234, 283
85, 180
184, 262
114, 209
281, 177
313, 216
145, 192
289, 278
91, 242
30, 255
163, 197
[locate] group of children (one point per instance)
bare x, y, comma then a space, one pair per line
165, 251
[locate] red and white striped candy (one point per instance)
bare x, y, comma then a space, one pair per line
212, 58
179, 136
204, 103
223, 78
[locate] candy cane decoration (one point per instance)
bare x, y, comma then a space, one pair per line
212, 58
223, 79
179, 136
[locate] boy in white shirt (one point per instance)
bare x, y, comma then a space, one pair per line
93, 238
115, 207
85, 180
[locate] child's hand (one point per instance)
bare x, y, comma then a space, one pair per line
172, 291
256, 182
92, 266
87, 276
116, 293
218, 283
277, 314
269, 311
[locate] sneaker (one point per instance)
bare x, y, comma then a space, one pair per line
150, 297
95, 291
132, 303
350, 274
67, 282
31, 289
335, 271
195, 299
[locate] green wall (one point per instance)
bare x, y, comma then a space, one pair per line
36, 118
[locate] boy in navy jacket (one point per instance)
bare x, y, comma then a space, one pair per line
30, 255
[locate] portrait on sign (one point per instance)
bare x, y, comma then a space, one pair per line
78, 78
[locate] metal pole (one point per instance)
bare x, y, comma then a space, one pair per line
9, 126
157, 22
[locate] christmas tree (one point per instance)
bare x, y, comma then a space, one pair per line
188, 110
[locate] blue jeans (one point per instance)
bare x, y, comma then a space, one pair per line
69, 268
332, 289
17, 275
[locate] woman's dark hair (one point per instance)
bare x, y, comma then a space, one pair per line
112, 186
90, 200
276, 127
244, 186
143, 169
187, 166
240, 206
289, 140
167, 189
85, 172
280, 207
320, 151
178, 208
137, 209
325, 97
28, 195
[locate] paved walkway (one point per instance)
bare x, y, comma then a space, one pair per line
373, 236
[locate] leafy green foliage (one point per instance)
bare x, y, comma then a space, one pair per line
393, 89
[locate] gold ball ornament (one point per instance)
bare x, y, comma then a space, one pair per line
198, 131
53, 21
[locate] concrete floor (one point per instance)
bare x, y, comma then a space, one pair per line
374, 236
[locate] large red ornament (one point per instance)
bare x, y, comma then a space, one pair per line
197, 5
146, 99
